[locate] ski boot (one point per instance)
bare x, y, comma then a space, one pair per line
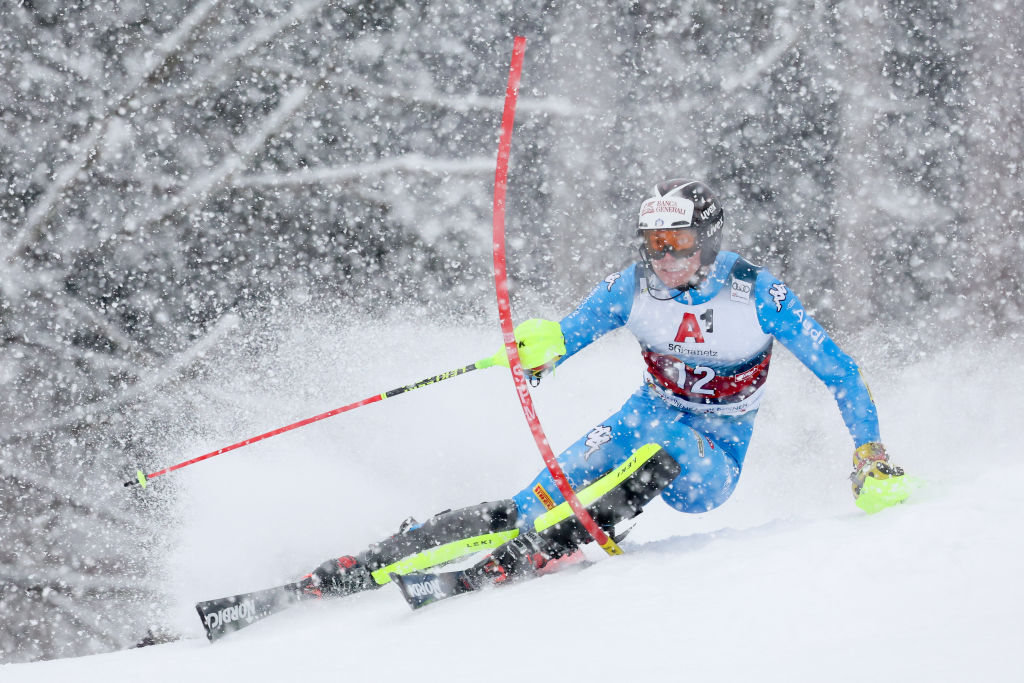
336, 577
528, 554
347, 574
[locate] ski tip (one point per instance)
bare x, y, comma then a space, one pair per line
419, 590
400, 582
226, 615
205, 619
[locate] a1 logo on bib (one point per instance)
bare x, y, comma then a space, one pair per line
690, 330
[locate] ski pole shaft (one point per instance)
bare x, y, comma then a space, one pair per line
142, 479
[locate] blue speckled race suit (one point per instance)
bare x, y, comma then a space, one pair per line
707, 352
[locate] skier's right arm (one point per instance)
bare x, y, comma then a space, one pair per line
544, 344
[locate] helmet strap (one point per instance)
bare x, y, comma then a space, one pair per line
645, 261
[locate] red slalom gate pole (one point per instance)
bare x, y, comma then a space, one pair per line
505, 305
142, 479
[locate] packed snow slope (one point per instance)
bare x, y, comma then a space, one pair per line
788, 581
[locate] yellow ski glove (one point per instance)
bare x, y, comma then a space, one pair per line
877, 483
541, 345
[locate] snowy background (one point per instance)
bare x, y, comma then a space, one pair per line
220, 216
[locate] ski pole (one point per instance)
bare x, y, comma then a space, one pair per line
497, 359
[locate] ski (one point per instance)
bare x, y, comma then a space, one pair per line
424, 588
557, 535
226, 615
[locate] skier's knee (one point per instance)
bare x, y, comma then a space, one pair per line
703, 487
478, 519
617, 496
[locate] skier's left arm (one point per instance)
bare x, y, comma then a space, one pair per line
783, 316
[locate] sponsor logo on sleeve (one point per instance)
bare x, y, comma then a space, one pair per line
809, 327
778, 293
611, 279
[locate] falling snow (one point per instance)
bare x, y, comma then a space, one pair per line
217, 216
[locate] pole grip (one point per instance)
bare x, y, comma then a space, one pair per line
140, 479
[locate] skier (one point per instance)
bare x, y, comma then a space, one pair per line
706, 321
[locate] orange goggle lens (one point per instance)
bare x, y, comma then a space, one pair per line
657, 243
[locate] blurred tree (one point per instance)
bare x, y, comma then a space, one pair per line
167, 167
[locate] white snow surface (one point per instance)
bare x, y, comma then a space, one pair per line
788, 581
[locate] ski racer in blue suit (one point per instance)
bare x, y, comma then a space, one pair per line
706, 321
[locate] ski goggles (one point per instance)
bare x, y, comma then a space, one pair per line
681, 243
